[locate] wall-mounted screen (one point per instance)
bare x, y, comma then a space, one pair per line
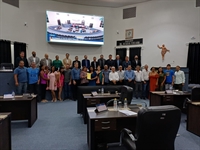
75, 28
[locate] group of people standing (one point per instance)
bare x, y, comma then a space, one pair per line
56, 75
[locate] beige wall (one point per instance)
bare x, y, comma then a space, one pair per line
34, 34
170, 22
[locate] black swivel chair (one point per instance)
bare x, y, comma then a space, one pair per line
126, 92
195, 95
156, 129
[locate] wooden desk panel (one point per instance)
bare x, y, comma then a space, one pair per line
193, 119
5, 132
91, 101
160, 98
21, 108
114, 123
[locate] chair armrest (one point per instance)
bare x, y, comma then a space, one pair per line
127, 139
186, 101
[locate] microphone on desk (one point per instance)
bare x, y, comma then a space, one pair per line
9, 86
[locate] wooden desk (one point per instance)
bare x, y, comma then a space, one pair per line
5, 131
105, 127
160, 98
21, 108
193, 119
91, 101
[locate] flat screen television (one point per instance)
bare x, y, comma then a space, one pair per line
73, 28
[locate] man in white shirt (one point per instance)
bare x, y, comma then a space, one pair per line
67, 60
113, 76
179, 79
121, 75
145, 89
138, 82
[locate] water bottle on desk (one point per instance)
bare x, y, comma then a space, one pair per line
125, 103
102, 90
3, 68
13, 94
99, 91
115, 104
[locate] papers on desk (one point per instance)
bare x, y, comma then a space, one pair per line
158, 92
88, 76
196, 103
128, 112
3, 116
8, 96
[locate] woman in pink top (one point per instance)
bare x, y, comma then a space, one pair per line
53, 83
43, 82
60, 82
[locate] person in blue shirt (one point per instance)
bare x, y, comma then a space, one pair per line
169, 78
20, 77
106, 72
33, 78
129, 76
75, 73
126, 63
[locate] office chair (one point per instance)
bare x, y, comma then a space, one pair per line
195, 95
126, 92
156, 129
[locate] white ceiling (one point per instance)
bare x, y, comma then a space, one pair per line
103, 3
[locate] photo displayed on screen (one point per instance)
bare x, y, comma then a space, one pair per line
75, 28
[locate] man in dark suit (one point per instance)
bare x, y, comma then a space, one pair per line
34, 59
136, 62
21, 57
126, 63
118, 62
94, 63
76, 60
110, 62
101, 62
86, 62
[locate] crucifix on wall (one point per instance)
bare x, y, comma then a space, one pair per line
164, 50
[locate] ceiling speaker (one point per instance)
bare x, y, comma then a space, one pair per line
129, 13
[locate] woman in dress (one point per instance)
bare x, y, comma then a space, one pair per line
153, 78
43, 82
53, 83
161, 79
83, 76
100, 76
60, 82
92, 81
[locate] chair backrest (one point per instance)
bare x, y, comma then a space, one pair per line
157, 127
195, 96
126, 92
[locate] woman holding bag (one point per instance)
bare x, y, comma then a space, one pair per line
92, 81
100, 76
83, 76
